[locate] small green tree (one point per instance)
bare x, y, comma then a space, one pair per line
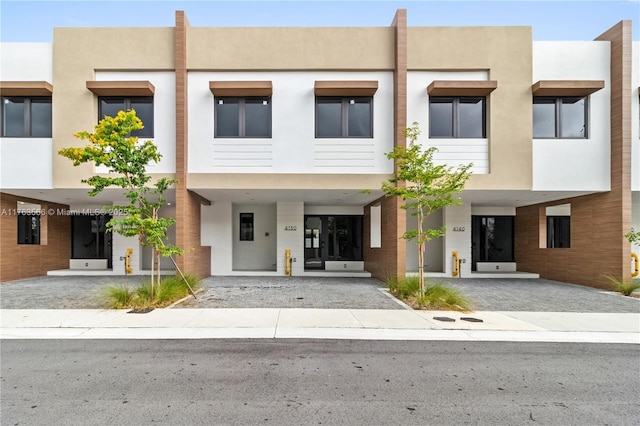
425, 188
633, 236
112, 145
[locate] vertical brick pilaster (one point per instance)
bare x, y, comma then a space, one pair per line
400, 77
389, 260
196, 259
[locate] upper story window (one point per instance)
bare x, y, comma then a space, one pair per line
344, 117
26, 117
457, 117
344, 108
561, 108
143, 105
560, 117
242, 117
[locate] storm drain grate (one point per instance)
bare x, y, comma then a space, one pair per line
444, 319
470, 319
140, 311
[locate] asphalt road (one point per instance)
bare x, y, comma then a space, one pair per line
330, 382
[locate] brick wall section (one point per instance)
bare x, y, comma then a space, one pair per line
196, 259
598, 221
597, 247
388, 261
19, 261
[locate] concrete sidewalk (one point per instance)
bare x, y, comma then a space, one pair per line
369, 324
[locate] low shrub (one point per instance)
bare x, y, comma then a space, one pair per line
626, 287
170, 290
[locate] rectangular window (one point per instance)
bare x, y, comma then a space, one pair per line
143, 105
558, 231
26, 117
246, 226
344, 117
375, 231
457, 117
242, 117
28, 229
561, 117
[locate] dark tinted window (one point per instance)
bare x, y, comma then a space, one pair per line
560, 117
359, 113
143, 105
28, 229
246, 226
457, 117
26, 117
344, 117
242, 117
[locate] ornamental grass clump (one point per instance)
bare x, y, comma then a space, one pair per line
440, 297
119, 296
626, 287
435, 297
170, 290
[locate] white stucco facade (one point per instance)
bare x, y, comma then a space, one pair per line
26, 163
453, 152
575, 164
292, 147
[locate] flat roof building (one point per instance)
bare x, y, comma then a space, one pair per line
274, 133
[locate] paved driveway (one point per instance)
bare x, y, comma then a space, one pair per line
537, 295
293, 292
324, 293
220, 292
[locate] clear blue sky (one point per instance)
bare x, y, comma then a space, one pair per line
27, 20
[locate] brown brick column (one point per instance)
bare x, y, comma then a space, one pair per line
196, 259
389, 260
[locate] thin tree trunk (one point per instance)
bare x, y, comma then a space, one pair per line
153, 277
420, 255
159, 280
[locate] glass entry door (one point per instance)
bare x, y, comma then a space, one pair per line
315, 245
331, 238
90, 239
491, 239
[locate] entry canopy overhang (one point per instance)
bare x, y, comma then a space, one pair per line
241, 88
121, 88
566, 87
461, 88
26, 88
345, 88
